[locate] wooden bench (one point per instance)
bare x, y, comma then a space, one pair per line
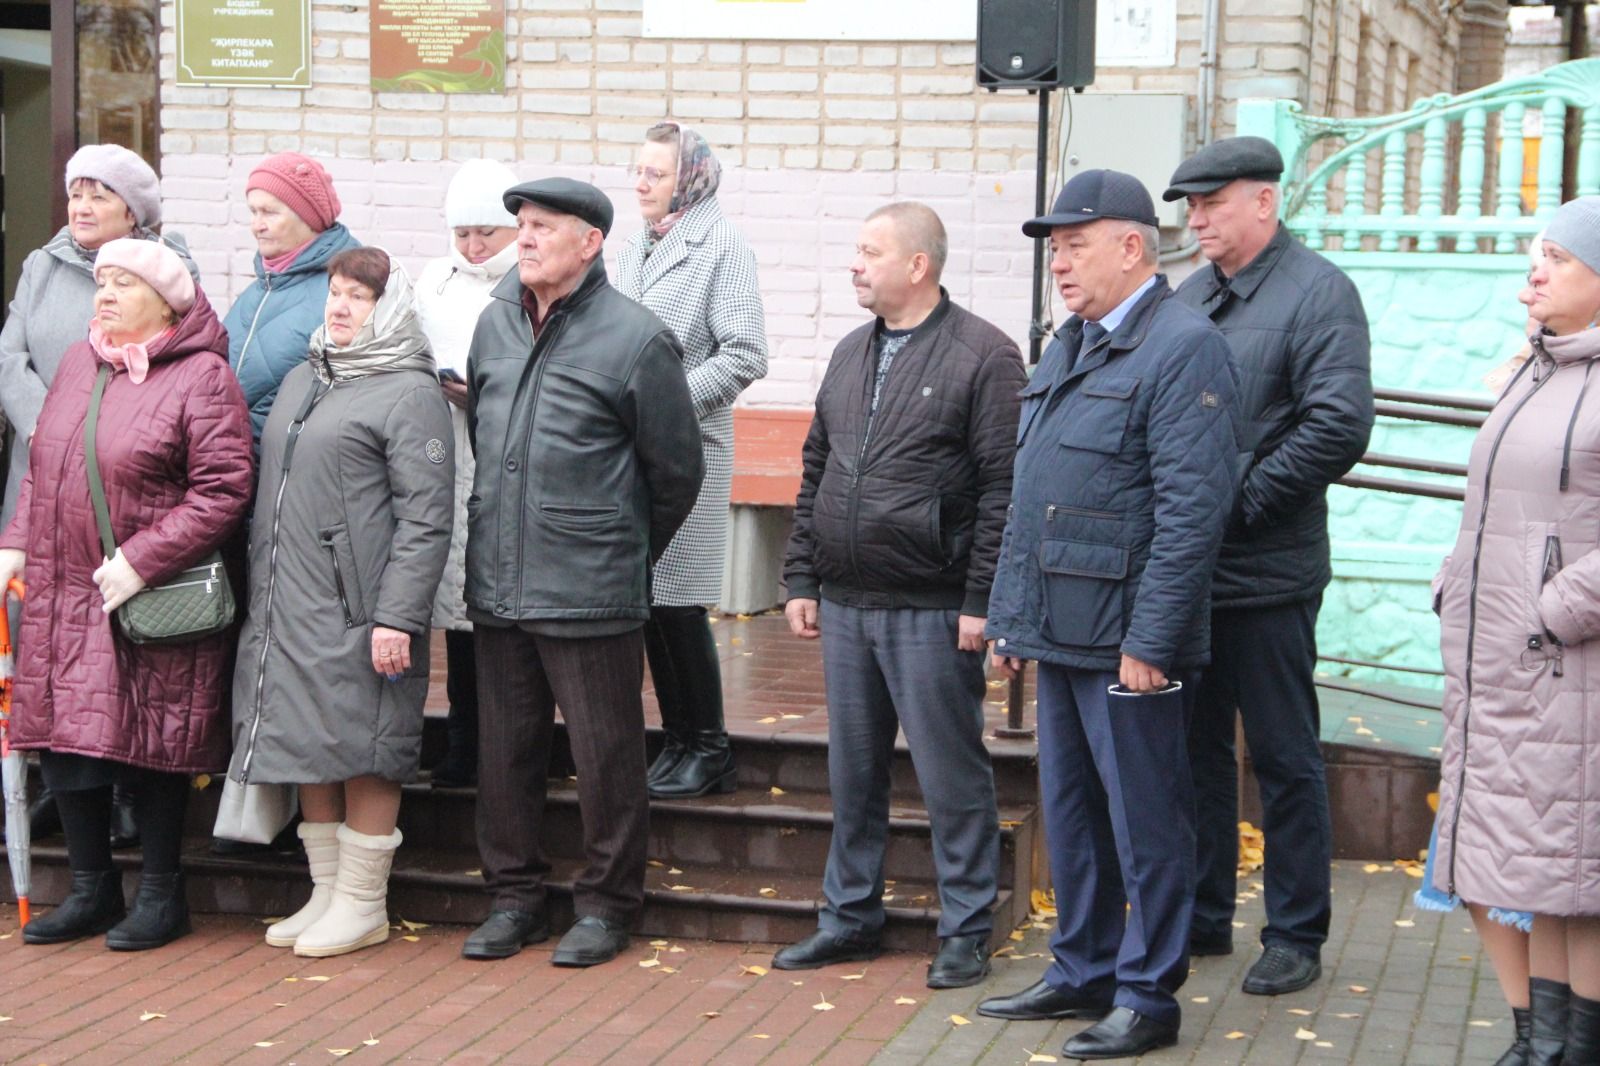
766, 478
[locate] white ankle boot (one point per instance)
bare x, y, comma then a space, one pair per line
358, 913
321, 841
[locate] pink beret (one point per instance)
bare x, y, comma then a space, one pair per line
153, 263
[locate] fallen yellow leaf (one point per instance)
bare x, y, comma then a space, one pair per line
904, 1001
657, 863
956, 1019
668, 969
1404, 923
676, 950
1480, 1023
201, 781
1370, 868
1016, 934
150, 1015
1236, 1035
412, 927
711, 1014
1414, 871
370, 1041
413, 939
340, 1052
768, 892
673, 870
266, 1043
1036, 1057
794, 716
1304, 1034
759, 1036
1199, 999
853, 976
1433, 802
1347, 1015
768, 720
753, 971
1323, 1043
680, 888
319, 978
1300, 1011
775, 790
645, 964
1358, 988
822, 1004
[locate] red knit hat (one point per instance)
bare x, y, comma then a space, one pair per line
302, 184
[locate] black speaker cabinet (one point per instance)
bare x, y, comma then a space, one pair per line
1034, 44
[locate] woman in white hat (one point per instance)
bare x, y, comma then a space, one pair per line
451, 292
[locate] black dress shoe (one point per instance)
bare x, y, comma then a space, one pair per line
823, 948
93, 906
504, 933
1281, 970
1122, 1034
1043, 1000
159, 916
962, 961
590, 942
1201, 945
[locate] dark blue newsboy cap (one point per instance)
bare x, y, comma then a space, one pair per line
1096, 194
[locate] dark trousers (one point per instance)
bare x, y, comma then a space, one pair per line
685, 669
1119, 825
596, 681
82, 786
1262, 664
884, 671
461, 672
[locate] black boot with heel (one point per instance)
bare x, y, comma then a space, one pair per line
683, 659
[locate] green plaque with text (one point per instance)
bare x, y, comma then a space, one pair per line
244, 42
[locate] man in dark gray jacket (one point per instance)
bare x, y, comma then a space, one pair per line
896, 531
588, 459
1299, 339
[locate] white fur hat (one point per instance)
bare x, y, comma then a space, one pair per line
476, 196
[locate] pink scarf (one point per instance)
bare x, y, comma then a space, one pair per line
134, 358
278, 264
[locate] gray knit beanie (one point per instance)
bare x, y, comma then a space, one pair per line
124, 173
1576, 227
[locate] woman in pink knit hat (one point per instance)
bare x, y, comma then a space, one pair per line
173, 451
294, 218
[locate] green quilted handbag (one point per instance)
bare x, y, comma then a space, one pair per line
196, 603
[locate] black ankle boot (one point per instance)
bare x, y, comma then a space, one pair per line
1549, 1003
705, 768
1583, 1033
93, 906
674, 748
160, 915
1517, 1053
124, 823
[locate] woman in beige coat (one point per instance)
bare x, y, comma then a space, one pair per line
1519, 603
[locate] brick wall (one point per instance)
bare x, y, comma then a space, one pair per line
812, 136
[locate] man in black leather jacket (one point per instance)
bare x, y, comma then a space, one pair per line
588, 460
1300, 346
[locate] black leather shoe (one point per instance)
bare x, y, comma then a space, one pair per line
1122, 1034
962, 961
160, 915
93, 906
1281, 970
590, 942
1201, 945
1043, 1000
824, 949
504, 933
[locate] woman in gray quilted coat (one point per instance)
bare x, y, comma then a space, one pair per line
348, 540
1519, 606
693, 269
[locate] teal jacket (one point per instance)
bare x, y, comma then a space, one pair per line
270, 324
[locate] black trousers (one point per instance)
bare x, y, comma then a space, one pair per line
1262, 665
596, 681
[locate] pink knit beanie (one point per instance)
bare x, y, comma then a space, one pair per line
301, 183
155, 264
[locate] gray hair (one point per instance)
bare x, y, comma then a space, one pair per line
1150, 236
920, 229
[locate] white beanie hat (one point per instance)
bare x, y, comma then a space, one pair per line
476, 196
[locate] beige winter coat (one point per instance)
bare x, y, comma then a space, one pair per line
1519, 605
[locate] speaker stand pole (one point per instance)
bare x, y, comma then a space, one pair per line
1014, 729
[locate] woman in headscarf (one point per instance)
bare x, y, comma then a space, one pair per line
111, 193
1519, 610
348, 539
692, 268
294, 218
451, 292
173, 451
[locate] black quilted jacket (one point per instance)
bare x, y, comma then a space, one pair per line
912, 515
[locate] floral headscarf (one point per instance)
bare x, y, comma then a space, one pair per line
699, 173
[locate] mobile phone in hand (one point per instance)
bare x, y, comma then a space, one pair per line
452, 376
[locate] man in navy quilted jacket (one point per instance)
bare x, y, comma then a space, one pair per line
1124, 481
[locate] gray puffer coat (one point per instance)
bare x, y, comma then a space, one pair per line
1519, 608
351, 530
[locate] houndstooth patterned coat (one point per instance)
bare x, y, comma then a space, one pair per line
701, 280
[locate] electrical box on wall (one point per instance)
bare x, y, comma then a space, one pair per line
1142, 134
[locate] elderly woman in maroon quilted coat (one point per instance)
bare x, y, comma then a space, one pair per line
174, 453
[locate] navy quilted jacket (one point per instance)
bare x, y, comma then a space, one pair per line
1124, 482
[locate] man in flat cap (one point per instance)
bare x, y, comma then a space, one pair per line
588, 460
1124, 479
1300, 348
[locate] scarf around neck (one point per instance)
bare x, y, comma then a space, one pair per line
390, 340
133, 357
699, 174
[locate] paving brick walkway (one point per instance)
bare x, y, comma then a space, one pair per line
222, 996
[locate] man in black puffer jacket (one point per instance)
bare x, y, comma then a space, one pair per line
896, 533
1299, 339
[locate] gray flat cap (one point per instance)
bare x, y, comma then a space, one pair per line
1096, 194
565, 195
1223, 161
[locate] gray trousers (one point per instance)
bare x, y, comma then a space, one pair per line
887, 670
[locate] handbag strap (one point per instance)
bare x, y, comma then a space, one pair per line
97, 489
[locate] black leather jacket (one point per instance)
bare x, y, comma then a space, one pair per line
588, 455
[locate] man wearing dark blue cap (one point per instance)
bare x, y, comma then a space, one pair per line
588, 460
1124, 479
1299, 338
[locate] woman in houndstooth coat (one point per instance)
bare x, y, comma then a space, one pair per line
692, 268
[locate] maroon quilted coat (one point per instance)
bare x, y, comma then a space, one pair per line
175, 456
